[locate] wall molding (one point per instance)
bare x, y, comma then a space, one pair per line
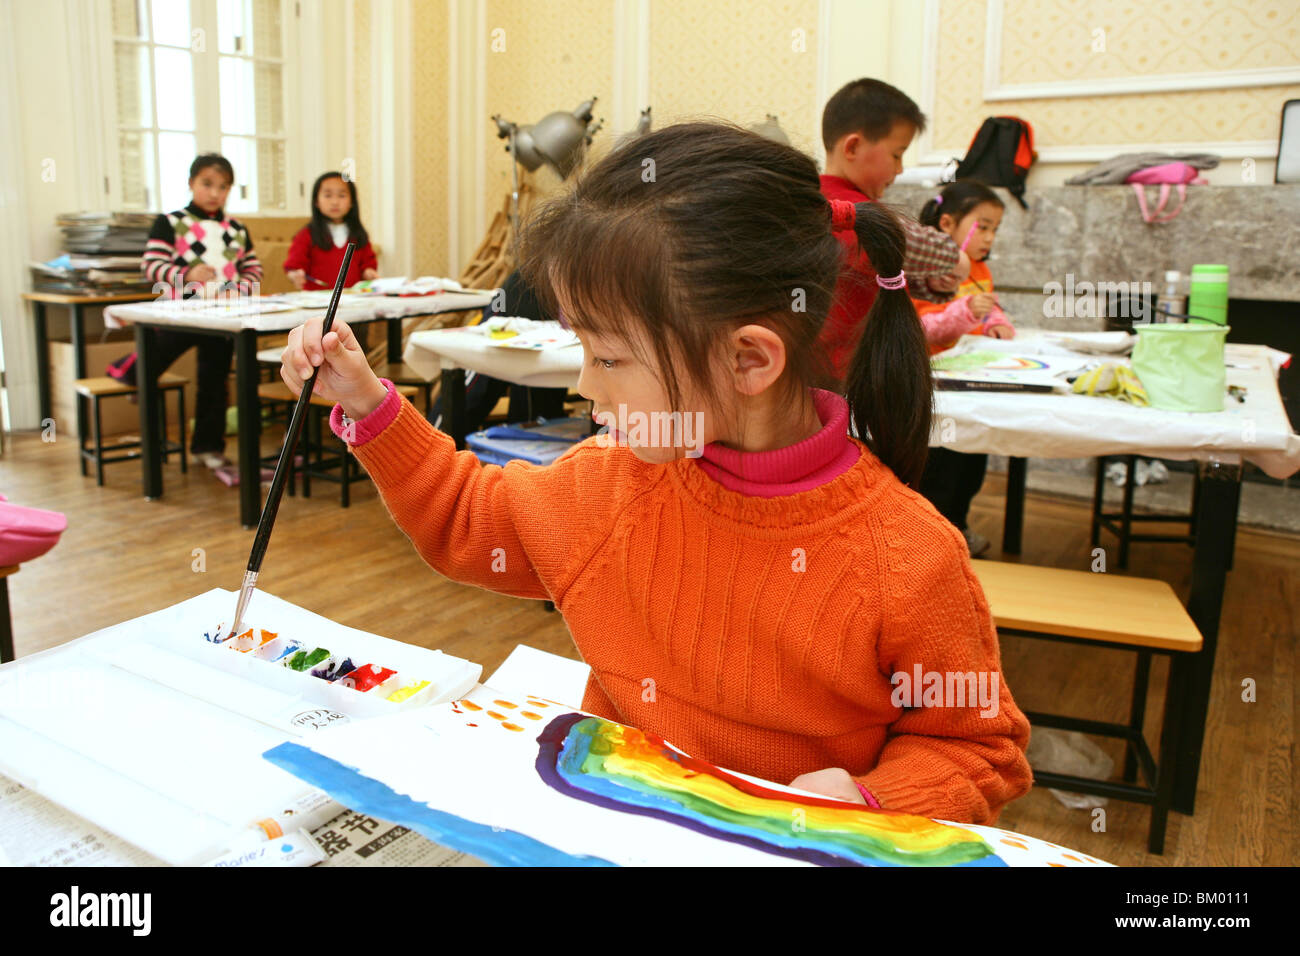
995, 89
630, 89
930, 154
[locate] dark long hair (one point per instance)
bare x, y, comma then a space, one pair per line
320, 226
694, 230
957, 199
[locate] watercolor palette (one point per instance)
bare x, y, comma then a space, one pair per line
156, 735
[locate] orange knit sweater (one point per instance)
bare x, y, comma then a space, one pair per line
760, 634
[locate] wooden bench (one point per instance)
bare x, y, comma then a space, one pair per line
98, 389
1113, 611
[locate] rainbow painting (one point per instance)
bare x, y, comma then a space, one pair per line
620, 768
527, 781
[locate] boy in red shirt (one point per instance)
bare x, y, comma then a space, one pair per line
866, 127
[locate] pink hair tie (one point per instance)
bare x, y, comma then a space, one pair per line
892, 282
844, 215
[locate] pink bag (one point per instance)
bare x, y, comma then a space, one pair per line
27, 533
1164, 176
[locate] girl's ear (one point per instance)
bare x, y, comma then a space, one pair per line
756, 359
947, 222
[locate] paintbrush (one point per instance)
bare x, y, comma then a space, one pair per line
276, 491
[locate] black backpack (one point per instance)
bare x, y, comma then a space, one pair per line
1000, 155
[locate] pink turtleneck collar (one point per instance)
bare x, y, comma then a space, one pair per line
795, 468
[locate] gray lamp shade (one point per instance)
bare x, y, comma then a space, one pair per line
558, 137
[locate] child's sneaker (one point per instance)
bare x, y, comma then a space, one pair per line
975, 542
212, 459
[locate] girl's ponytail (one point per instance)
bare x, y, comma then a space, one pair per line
889, 386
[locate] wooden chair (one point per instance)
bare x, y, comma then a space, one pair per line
273, 393
98, 389
1111, 611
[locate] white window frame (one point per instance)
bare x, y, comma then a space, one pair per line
207, 133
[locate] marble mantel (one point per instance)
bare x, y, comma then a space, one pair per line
1096, 234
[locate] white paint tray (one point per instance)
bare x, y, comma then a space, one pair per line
157, 736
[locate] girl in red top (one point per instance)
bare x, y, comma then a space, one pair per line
316, 254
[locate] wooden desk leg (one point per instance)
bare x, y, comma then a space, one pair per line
78, 328
146, 376
1216, 527
395, 341
250, 428
1013, 520
453, 404
43, 361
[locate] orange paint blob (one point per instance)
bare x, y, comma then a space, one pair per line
505, 703
470, 705
530, 715
509, 726
495, 716
471, 725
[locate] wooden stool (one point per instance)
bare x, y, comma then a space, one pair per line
98, 389
6, 625
278, 393
1117, 612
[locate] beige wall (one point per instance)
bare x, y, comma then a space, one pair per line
1044, 43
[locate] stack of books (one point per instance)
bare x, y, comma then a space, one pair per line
105, 233
103, 256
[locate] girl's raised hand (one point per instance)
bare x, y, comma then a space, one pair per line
982, 303
298, 277
345, 375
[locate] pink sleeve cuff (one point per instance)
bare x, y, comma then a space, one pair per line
367, 428
872, 802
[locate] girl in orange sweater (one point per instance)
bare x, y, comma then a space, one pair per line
743, 577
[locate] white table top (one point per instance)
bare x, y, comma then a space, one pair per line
1033, 425
352, 308
432, 350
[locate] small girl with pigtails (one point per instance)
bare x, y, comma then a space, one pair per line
777, 584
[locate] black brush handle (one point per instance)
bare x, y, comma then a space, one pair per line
294, 430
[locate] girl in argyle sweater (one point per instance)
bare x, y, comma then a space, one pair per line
187, 250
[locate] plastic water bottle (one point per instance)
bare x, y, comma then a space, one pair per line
1171, 304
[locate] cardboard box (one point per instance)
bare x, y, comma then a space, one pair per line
118, 416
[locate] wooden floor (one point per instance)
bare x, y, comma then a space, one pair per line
123, 556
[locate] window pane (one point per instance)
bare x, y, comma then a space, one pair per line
242, 155
271, 175
171, 22
135, 151
174, 79
175, 153
237, 107
266, 28
131, 66
232, 26
128, 19
270, 100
